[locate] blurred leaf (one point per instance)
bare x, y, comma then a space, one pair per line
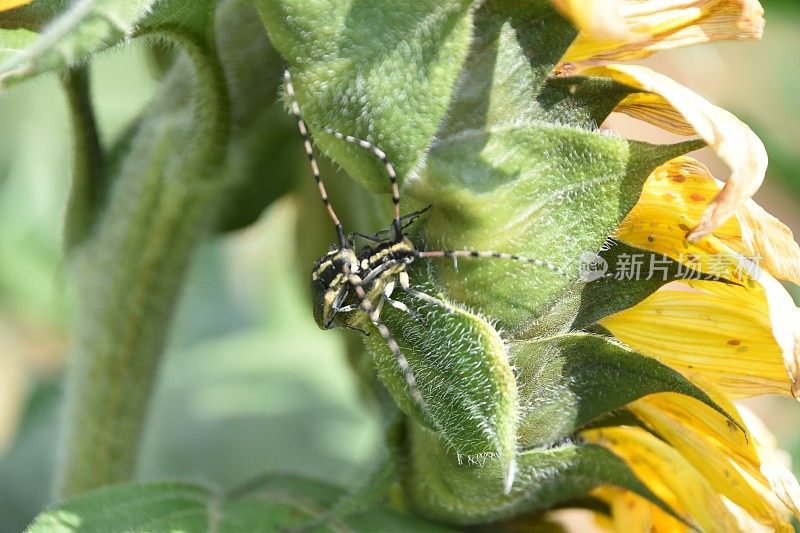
280, 397
271, 504
79, 30
27, 468
259, 166
50, 35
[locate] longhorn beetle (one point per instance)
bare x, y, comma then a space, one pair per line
348, 280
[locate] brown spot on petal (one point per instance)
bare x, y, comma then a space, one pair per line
697, 197
651, 238
679, 179
735, 342
684, 227
563, 69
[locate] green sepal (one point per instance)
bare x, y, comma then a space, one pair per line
382, 71
514, 48
568, 381
521, 190
586, 302
462, 371
443, 488
581, 101
278, 503
505, 175
608, 295
620, 417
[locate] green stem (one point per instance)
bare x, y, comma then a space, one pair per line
88, 174
129, 273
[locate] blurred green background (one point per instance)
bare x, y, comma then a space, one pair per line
249, 384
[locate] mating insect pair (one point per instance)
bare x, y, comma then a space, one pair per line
348, 280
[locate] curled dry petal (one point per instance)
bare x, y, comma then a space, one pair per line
675, 196
766, 237
654, 25
775, 463
732, 140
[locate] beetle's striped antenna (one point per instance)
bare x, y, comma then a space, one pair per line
390, 170
301, 125
483, 254
374, 312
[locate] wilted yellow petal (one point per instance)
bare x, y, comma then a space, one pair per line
722, 331
775, 463
674, 198
768, 238
663, 24
599, 19
11, 4
713, 445
732, 140
667, 473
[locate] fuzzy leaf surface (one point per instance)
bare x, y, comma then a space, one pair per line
570, 380
444, 488
375, 69
462, 369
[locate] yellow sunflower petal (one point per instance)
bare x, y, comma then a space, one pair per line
732, 140
667, 473
713, 446
722, 331
11, 4
728, 439
600, 19
657, 25
675, 196
626, 510
784, 316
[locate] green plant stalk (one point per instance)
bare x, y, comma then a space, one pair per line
129, 271
88, 173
